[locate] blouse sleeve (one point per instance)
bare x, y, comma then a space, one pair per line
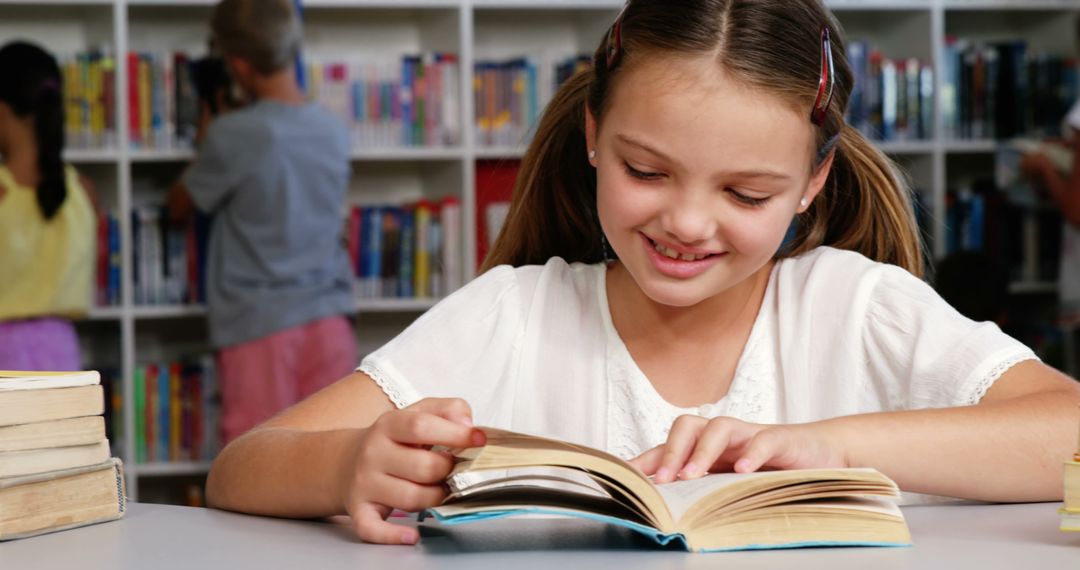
921, 353
463, 347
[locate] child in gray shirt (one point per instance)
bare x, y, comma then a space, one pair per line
274, 176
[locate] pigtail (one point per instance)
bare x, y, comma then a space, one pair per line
866, 207
49, 127
555, 177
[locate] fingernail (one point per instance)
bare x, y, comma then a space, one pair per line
688, 471
478, 438
742, 465
408, 538
662, 474
466, 420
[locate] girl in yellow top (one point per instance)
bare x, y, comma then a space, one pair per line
47, 219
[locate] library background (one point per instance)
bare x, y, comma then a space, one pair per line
440, 96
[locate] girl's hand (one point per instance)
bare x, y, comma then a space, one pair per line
394, 467
697, 446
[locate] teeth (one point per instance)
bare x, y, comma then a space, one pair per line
676, 255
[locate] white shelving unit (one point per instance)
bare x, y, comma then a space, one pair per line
475, 30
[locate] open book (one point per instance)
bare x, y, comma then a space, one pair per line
521, 474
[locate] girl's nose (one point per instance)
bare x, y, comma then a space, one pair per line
689, 218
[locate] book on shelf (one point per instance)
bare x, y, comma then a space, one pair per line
405, 251
1070, 511
410, 101
89, 95
168, 260
60, 500
509, 94
891, 99
176, 411
514, 474
1004, 89
494, 188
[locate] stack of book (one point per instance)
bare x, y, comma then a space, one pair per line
55, 468
1070, 513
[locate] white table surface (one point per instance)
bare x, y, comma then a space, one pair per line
981, 537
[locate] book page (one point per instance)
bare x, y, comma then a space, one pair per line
681, 495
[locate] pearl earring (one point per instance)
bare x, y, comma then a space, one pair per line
592, 154
803, 202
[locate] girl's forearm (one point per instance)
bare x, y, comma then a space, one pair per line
283, 472
1001, 451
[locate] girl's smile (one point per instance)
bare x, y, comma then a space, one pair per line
679, 262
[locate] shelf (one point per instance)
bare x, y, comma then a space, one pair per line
104, 313
1011, 4
1032, 287
548, 4
971, 146
871, 5
905, 147
407, 153
91, 155
162, 155
168, 311
172, 468
504, 152
394, 305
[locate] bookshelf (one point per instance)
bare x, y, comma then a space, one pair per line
128, 334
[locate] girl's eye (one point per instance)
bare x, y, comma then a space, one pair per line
640, 174
748, 200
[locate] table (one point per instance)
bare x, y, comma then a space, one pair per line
981, 537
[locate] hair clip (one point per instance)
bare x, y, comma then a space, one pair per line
613, 50
827, 81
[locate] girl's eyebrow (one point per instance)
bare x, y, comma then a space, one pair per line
751, 173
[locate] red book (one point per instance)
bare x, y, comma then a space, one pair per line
494, 185
133, 98
151, 422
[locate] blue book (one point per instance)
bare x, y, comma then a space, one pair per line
407, 252
164, 413
516, 474
113, 282
372, 252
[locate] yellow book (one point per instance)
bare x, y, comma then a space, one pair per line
422, 268
517, 474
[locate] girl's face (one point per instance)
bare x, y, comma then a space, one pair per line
698, 177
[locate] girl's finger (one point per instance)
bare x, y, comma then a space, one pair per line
423, 428
711, 444
403, 495
763, 448
418, 465
453, 409
369, 522
681, 441
649, 461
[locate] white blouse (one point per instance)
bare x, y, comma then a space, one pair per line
533, 349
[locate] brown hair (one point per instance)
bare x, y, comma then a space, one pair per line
774, 45
265, 33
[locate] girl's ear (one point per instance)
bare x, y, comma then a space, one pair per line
817, 181
590, 135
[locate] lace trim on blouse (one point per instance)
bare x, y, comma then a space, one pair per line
990, 377
383, 381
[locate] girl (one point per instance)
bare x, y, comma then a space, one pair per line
47, 219
636, 300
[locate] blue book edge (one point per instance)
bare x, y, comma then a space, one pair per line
660, 538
